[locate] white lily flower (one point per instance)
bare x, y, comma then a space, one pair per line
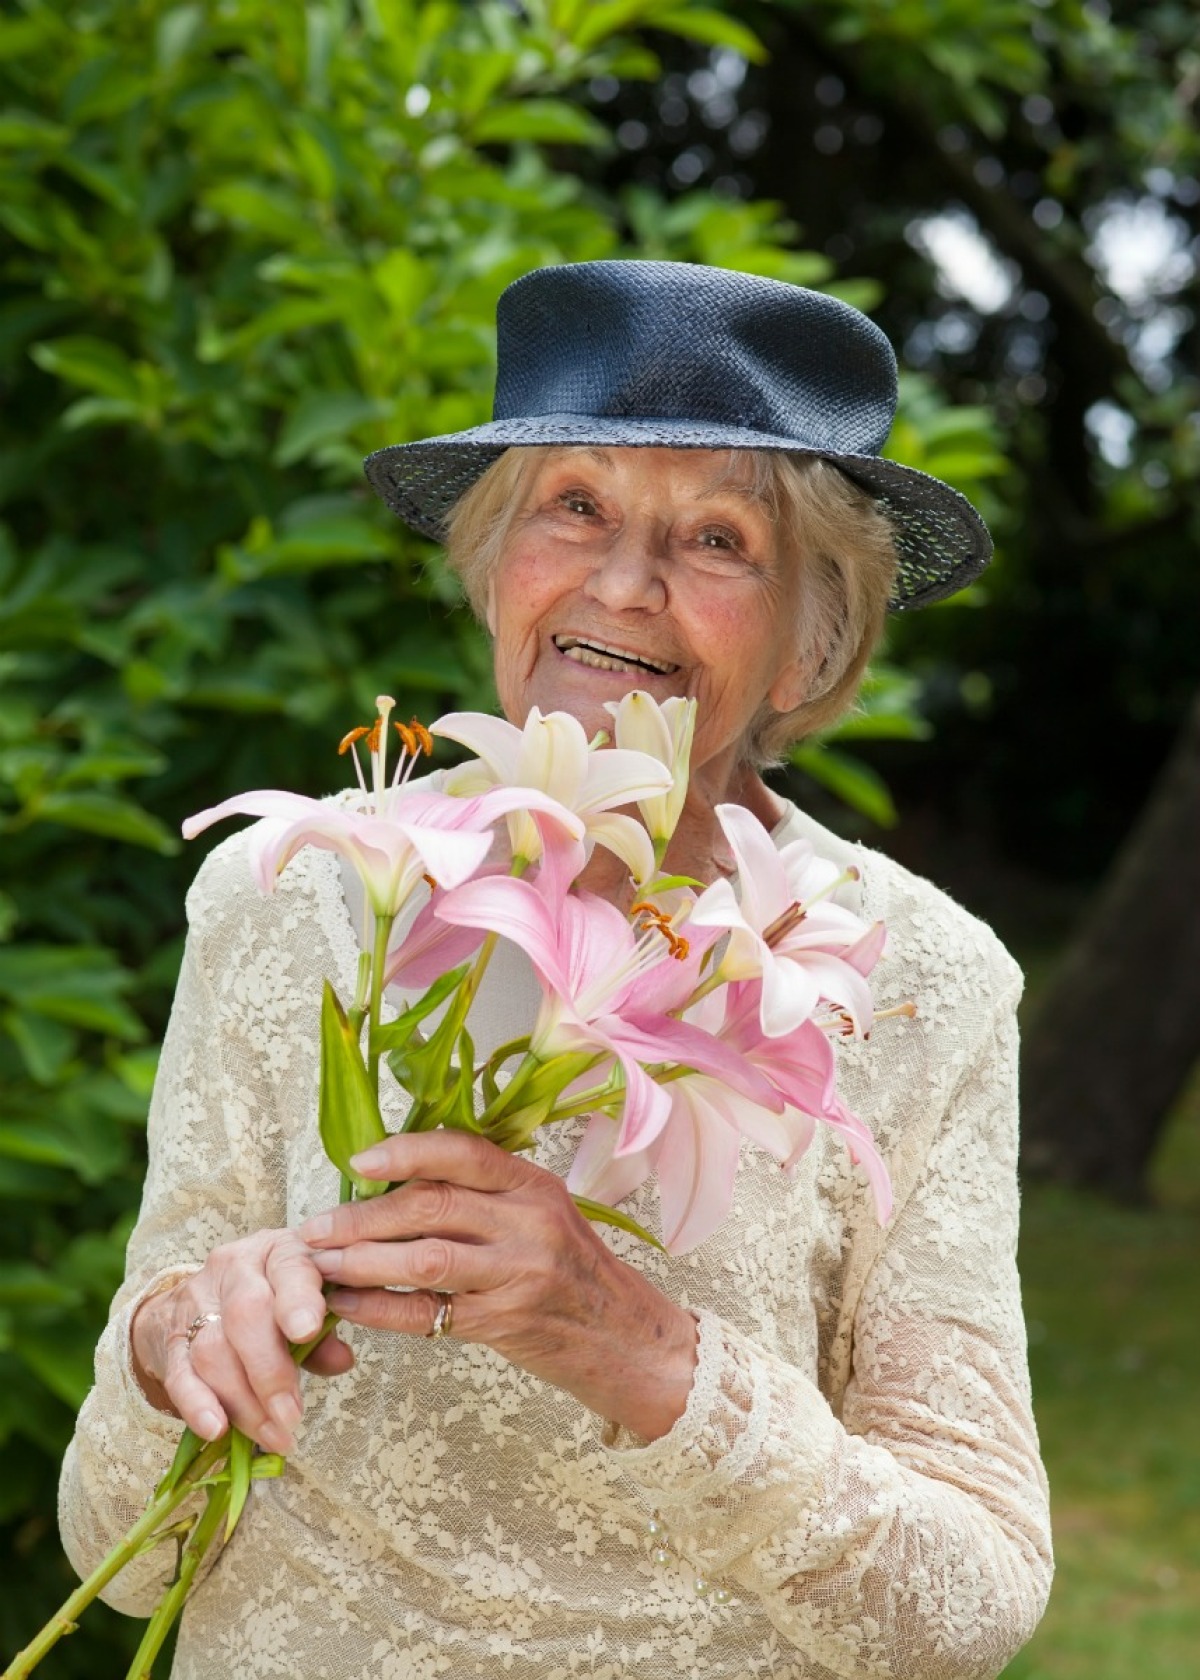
551, 755
665, 732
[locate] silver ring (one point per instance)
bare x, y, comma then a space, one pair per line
198, 1323
443, 1318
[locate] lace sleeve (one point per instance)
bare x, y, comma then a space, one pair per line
910, 1537
213, 1175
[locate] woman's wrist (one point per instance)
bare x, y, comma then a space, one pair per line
644, 1382
148, 1334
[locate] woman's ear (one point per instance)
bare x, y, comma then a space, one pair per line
790, 686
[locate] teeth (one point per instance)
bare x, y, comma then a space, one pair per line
604, 657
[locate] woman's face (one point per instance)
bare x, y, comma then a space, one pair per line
652, 569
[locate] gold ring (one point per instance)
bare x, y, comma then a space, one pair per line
443, 1318
197, 1324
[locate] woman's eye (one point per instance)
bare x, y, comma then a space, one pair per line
575, 501
717, 537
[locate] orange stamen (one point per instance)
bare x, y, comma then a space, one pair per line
373, 737
347, 741
433, 886
423, 736
408, 738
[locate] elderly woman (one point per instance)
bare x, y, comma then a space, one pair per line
803, 1449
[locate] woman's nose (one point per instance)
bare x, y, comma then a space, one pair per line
628, 574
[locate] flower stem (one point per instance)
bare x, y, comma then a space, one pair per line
383, 932
66, 1618
204, 1532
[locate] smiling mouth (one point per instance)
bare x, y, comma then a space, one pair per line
601, 656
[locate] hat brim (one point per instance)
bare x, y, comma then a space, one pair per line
941, 542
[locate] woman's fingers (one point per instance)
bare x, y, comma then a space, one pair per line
424, 1263
449, 1183
264, 1380
299, 1304
196, 1403
453, 1157
209, 1390
412, 1314
331, 1359
227, 1358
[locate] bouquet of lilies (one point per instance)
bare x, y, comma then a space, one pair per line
692, 1022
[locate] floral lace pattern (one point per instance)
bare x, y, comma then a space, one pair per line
857, 1464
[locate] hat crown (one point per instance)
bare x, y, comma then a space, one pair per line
666, 340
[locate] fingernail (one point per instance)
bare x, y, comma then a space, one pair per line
285, 1409
210, 1425
328, 1260
345, 1300
301, 1326
317, 1228
275, 1439
372, 1159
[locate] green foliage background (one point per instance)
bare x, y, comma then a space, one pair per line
241, 245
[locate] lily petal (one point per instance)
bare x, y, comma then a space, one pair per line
517, 911
597, 1172
260, 802
696, 1163
762, 881
627, 839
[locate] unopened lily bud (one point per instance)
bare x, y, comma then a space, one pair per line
665, 732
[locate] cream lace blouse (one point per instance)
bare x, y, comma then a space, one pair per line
857, 1467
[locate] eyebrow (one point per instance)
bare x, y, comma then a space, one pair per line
722, 480
600, 455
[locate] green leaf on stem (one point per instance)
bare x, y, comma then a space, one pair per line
241, 1459
396, 1034
600, 1214
189, 1445
463, 1114
666, 883
348, 1107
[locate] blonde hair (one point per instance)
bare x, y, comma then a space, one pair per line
839, 535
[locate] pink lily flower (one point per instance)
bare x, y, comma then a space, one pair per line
784, 927
696, 1154
801, 1067
400, 837
551, 754
594, 968
429, 949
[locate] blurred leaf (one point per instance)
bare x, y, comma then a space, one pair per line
62, 1356
77, 985
320, 417
45, 1045
716, 29
91, 362
107, 814
548, 120
26, 1285
852, 781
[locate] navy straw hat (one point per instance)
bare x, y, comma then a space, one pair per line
684, 357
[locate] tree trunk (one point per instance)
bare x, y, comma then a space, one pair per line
1118, 1031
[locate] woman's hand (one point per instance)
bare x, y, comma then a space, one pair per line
527, 1274
214, 1349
